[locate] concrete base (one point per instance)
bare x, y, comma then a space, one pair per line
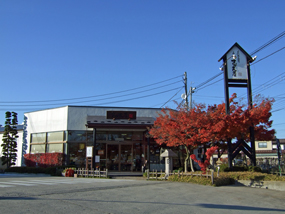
275, 185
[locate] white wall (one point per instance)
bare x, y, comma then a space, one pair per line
48, 120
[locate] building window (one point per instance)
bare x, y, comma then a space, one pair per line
55, 137
262, 145
38, 148
101, 136
120, 136
55, 147
38, 138
80, 136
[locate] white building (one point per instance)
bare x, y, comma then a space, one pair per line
120, 141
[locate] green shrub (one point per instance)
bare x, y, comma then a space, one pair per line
226, 178
26, 169
254, 169
54, 171
223, 167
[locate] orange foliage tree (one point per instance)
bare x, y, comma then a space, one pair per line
209, 126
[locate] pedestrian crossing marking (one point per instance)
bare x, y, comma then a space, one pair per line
53, 181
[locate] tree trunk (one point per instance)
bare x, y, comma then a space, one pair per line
188, 159
191, 165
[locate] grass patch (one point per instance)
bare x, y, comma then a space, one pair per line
226, 178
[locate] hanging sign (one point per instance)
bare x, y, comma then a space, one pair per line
89, 151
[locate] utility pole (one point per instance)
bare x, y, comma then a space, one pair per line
186, 90
191, 91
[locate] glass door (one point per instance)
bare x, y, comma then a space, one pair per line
112, 160
126, 158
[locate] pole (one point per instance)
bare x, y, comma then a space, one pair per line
148, 153
186, 90
191, 91
251, 129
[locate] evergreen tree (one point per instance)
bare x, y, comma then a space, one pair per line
9, 145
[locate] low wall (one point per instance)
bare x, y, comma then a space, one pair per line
275, 185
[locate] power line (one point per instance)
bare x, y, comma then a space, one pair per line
52, 104
78, 98
172, 97
270, 42
140, 97
268, 55
209, 85
267, 84
203, 83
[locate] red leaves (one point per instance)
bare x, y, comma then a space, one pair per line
203, 125
44, 159
206, 163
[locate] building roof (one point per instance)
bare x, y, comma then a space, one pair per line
239, 47
19, 127
159, 109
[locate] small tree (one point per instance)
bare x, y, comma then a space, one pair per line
9, 145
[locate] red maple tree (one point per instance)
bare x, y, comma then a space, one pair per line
211, 126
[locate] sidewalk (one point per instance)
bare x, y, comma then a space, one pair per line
15, 174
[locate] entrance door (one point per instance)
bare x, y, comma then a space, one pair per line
126, 157
120, 157
113, 159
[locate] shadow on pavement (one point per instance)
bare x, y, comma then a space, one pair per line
237, 207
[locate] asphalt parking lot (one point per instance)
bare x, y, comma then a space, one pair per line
45, 194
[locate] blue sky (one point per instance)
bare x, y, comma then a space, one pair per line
56, 50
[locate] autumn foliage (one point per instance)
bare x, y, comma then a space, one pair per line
211, 125
44, 159
209, 153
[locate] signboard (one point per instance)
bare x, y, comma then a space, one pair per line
236, 64
121, 115
100, 152
89, 151
97, 159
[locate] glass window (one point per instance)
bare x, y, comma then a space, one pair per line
55, 147
38, 148
77, 154
262, 145
120, 136
137, 136
79, 136
55, 136
101, 136
38, 138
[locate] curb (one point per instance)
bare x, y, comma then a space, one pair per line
274, 185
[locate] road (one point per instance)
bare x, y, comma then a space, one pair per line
36, 194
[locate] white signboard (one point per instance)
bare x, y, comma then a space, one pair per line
236, 64
89, 151
97, 158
